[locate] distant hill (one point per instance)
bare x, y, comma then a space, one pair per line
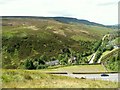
75, 20
61, 19
113, 26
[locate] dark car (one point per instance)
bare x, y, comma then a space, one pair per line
104, 74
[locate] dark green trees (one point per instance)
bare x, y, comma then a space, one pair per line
35, 63
29, 64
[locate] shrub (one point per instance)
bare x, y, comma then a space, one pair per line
5, 78
29, 64
109, 48
96, 45
97, 56
41, 66
27, 77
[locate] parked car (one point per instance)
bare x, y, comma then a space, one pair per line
103, 74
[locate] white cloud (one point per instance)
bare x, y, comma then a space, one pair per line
101, 11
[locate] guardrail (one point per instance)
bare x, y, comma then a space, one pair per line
93, 72
80, 72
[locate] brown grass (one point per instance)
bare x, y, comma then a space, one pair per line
16, 79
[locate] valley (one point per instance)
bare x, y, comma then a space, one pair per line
34, 47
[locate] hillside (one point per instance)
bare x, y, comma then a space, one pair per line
30, 37
60, 19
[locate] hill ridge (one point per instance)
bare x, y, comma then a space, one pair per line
60, 19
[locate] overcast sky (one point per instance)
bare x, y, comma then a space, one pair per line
100, 11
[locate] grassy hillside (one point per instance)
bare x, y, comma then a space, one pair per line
31, 38
80, 68
60, 19
112, 60
36, 79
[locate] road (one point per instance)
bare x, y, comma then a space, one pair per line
94, 54
91, 61
102, 56
92, 58
112, 77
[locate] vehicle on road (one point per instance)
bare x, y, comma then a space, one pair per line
103, 74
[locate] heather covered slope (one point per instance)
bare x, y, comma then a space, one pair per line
31, 38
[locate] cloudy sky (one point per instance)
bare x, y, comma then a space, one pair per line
100, 11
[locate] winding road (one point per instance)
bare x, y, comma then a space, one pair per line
92, 58
112, 76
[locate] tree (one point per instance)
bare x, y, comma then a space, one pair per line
41, 66
42, 59
110, 47
97, 56
29, 64
66, 50
84, 60
64, 60
97, 44
60, 56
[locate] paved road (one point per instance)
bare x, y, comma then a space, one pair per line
111, 77
94, 54
92, 58
112, 51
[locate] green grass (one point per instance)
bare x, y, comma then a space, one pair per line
116, 41
81, 68
74, 68
36, 79
79, 37
112, 59
107, 54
